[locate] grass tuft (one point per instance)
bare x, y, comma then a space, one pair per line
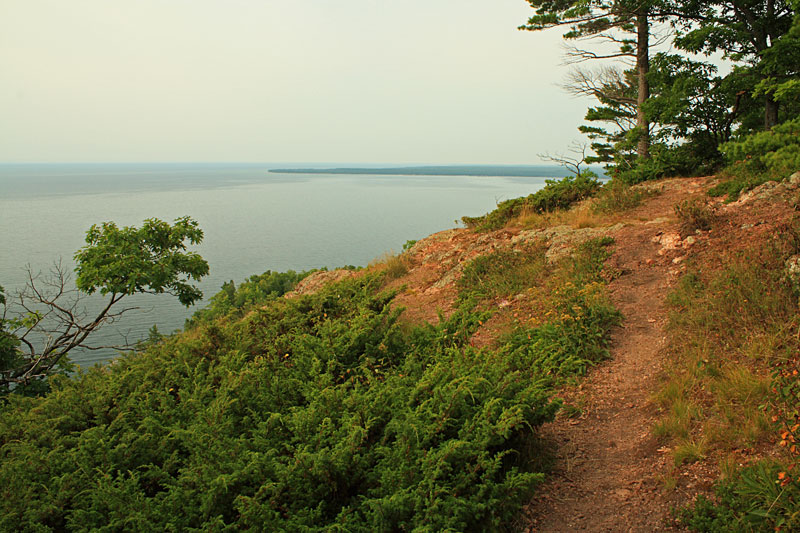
504, 273
617, 196
695, 215
393, 265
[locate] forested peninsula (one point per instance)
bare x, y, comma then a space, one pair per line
440, 170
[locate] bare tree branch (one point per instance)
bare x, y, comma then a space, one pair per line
55, 322
570, 162
607, 83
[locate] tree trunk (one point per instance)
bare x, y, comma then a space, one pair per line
770, 113
642, 68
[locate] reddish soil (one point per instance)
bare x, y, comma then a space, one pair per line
608, 468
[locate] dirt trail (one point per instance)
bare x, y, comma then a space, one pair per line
608, 467
606, 479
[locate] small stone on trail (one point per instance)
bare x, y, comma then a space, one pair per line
622, 493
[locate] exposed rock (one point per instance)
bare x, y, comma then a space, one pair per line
765, 191
669, 241
317, 280
451, 276
770, 190
421, 245
793, 270
562, 239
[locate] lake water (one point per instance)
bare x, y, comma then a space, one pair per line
253, 220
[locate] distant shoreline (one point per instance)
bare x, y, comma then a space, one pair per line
467, 170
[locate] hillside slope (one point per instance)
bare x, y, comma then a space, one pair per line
574, 370
611, 473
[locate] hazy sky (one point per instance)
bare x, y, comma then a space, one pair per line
384, 81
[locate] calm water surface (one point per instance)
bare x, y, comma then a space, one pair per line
253, 220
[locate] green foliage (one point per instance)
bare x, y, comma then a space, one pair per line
574, 338
780, 69
759, 157
556, 194
257, 290
687, 159
153, 258
614, 142
9, 356
689, 108
736, 180
752, 501
691, 102
747, 32
408, 245
314, 413
586, 20
776, 151
116, 262
503, 273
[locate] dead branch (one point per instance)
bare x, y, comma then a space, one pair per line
570, 162
54, 322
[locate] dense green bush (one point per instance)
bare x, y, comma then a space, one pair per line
321, 412
759, 157
556, 194
776, 151
256, 290
670, 161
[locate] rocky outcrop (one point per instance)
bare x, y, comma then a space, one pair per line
561, 240
770, 190
315, 281
445, 254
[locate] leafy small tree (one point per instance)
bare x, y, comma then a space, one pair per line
116, 262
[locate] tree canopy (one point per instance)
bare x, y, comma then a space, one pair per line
670, 113
152, 259
116, 262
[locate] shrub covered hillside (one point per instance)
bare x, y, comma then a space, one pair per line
322, 412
